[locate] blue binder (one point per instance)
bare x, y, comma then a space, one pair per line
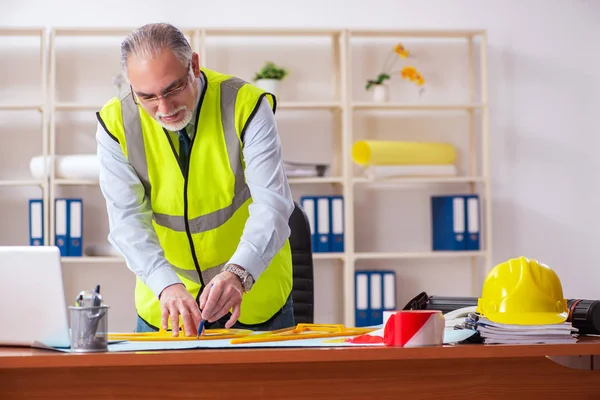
376, 297
361, 298
61, 226
75, 218
336, 237
473, 222
389, 290
448, 223
36, 222
323, 224
308, 203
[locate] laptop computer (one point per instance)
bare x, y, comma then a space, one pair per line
34, 310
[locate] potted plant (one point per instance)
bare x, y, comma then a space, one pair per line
379, 87
269, 76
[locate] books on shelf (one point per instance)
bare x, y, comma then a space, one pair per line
304, 170
326, 219
68, 226
36, 222
455, 222
374, 293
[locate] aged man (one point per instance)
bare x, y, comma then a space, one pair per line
197, 197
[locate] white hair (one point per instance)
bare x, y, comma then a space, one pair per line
149, 40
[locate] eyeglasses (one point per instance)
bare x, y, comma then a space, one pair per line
152, 100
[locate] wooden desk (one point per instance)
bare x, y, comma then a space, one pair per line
449, 372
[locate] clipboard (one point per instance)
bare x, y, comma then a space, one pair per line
302, 331
209, 334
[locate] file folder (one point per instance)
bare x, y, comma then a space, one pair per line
75, 218
336, 239
310, 208
376, 297
323, 224
448, 223
473, 225
361, 298
389, 290
36, 222
61, 226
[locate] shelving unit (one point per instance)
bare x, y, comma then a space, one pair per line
39, 105
343, 108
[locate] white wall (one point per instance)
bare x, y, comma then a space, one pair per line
544, 84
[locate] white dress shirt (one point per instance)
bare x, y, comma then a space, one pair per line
130, 215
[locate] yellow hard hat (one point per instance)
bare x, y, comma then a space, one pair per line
521, 291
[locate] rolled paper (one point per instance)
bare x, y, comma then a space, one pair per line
413, 328
75, 166
382, 152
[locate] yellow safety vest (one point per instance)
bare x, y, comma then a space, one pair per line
199, 220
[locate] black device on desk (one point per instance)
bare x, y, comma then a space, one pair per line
583, 314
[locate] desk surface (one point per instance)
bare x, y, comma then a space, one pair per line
348, 373
11, 358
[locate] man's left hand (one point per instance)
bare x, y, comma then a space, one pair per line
223, 292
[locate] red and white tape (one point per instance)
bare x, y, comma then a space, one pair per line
413, 328
407, 328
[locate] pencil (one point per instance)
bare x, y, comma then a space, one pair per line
200, 327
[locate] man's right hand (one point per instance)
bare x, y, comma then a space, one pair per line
175, 300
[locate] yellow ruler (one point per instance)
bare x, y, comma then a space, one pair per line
302, 331
209, 334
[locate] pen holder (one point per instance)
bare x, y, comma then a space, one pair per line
89, 328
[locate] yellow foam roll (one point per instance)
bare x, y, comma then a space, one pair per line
382, 152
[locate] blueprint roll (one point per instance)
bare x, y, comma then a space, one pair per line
413, 328
386, 152
75, 166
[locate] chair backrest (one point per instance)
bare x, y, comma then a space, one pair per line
302, 261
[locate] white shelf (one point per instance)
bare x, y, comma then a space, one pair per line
308, 105
418, 180
17, 31
328, 256
415, 107
91, 260
24, 182
21, 107
426, 254
325, 179
287, 105
343, 132
104, 260
75, 182
269, 32
433, 34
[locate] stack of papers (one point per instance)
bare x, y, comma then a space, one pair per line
302, 170
496, 333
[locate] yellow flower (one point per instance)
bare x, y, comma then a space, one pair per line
411, 73
401, 51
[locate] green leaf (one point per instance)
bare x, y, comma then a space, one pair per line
271, 71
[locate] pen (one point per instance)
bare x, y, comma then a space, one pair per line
201, 326
96, 302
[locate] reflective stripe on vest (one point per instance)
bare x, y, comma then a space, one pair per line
137, 157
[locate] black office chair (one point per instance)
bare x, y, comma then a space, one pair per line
302, 264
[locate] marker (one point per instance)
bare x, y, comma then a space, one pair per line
202, 322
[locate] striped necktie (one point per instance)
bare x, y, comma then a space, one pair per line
184, 148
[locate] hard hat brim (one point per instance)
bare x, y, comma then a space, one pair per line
527, 318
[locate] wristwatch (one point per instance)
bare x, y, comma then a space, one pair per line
245, 277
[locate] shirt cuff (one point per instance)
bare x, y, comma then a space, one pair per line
160, 278
248, 259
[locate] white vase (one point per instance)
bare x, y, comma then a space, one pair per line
380, 93
270, 85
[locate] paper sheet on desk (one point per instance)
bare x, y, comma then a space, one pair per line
450, 336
